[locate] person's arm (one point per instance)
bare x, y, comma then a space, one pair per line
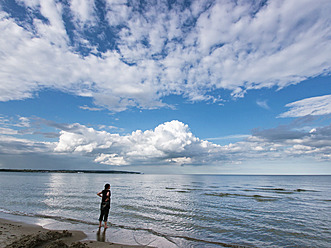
100, 194
108, 196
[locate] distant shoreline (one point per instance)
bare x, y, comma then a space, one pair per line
71, 171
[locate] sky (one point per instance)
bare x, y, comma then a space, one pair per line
156, 86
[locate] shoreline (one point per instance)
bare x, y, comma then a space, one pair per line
69, 171
19, 234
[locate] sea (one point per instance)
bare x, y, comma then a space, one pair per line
177, 210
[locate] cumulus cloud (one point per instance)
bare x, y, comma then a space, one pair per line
132, 55
320, 105
173, 143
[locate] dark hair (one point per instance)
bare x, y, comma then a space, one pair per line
107, 186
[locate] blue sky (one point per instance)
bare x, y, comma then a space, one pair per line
233, 87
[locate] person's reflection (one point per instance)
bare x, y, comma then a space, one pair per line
101, 236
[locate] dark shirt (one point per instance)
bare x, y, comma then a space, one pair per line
106, 198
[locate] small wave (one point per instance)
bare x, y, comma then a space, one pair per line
170, 188
65, 219
262, 198
182, 191
200, 183
272, 189
223, 194
190, 189
305, 190
170, 237
5, 211
285, 191
178, 190
173, 209
277, 190
44, 216
211, 242
256, 197
131, 207
265, 199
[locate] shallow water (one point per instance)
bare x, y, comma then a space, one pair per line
179, 210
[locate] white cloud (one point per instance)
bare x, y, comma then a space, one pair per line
13, 145
39, 64
284, 35
263, 104
170, 143
320, 105
55, 31
181, 160
24, 122
83, 11
29, 3
173, 143
110, 159
14, 125
89, 108
118, 12
4, 130
187, 51
83, 139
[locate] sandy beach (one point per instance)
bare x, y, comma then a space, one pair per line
17, 234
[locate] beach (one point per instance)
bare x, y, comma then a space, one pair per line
18, 234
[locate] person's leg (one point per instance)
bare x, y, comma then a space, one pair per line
101, 217
106, 217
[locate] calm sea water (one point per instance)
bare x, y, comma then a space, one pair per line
178, 210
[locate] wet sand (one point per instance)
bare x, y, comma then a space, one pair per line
17, 234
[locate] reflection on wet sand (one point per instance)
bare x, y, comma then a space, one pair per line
101, 236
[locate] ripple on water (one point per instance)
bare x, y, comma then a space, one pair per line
256, 197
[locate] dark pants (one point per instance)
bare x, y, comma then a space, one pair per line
104, 212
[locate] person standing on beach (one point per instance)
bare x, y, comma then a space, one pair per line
105, 204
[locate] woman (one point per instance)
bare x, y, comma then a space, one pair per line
105, 204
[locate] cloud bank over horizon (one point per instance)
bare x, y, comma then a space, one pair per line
173, 143
127, 54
